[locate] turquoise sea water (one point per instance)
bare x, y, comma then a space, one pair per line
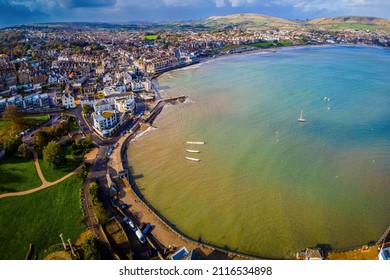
266, 184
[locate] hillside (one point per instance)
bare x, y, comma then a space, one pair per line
250, 21
352, 22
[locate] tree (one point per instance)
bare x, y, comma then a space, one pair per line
87, 109
41, 138
13, 115
11, 144
54, 155
94, 192
23, 150
101, 214
91, 248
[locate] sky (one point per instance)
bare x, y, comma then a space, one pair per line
13, 12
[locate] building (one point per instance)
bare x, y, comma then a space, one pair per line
100, 70
102, 105
34, 101
125, 104
107, 122
114, 90
67, 100
143, 84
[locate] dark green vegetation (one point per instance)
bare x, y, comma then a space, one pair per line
17, 174
39, 218
52, 174
54, 155
43, 136
12, 123
98, 209
91, 248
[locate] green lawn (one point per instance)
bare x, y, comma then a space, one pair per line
37, 119
150, 37
18, 174
30, 121
39, 218
52, 174
3, 124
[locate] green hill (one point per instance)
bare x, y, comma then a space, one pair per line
352, 22
250, 21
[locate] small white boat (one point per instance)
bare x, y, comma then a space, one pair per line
193, 159
192, 151
194, 142
301, 118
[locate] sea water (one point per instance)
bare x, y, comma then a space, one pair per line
268, 185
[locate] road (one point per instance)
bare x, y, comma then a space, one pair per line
97, 174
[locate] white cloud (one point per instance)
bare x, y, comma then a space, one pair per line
219, 3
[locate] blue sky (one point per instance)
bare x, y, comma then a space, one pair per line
14, 12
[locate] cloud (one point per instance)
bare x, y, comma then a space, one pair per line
24, 11
87, 3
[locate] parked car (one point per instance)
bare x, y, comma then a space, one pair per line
124, 206
146, 228
110, 151
130, 223
140, 236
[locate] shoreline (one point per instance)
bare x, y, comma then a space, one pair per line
208, 59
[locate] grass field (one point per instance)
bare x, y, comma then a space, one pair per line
150, 37
52, 174
18, 174
39, 218
36, 119
30, 121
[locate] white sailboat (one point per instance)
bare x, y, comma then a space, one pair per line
301, 118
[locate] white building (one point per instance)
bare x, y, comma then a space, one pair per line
106, 122
143, 84
114, 90
125, 105
68, 100
127, 78
102, 105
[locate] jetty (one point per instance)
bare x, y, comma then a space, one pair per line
195, 142
384, 237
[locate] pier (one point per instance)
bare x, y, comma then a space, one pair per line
384, 237
160, 105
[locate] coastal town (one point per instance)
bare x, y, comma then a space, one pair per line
89, 91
